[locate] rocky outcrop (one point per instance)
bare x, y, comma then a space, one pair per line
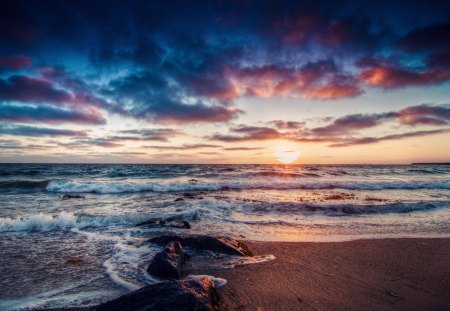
219, 245
72, 196
185, 295
167, 263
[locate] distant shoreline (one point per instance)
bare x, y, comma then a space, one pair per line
431, 163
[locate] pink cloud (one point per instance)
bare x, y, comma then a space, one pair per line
388, 77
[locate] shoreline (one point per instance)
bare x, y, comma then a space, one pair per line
368, 274
365, 274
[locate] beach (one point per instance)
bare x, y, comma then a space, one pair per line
375, 274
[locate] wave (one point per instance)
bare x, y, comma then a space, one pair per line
116, 187
66, 221
24, 184
19, 172
283, 174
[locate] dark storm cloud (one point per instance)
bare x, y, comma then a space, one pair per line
156, 98
48, 114
185, 62
430, 37
30, 89
14, 62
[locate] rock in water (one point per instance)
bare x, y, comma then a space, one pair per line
219, 245
167, 263
185, 295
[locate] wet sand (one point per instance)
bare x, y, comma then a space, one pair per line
384, 274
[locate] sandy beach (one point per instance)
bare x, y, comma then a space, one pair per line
383, 274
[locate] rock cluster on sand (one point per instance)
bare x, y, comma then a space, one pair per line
184, 295
190, 294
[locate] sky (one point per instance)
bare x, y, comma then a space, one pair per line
225, 81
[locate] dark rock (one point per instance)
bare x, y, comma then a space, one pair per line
219, 245
148, 222
173, 223
70, 196
185, 295
179, 199
186, 225
167, 263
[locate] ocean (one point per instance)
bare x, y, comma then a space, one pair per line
41, 231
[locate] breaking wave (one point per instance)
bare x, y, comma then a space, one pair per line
63, 186
66, 220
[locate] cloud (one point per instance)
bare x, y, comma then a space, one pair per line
153, 98
322, 80
114, 141
158, 134
20, 130
242, 148
29, 89
432, 36
343, 131
390, 77
424, 115
184, 147
371, 140
287, 125
326, 92
15, 62
346, 124
439, 59
248, 133
49, 114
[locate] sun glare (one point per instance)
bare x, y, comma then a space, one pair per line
285, 155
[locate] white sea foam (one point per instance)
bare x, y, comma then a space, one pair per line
39, 222
125, 268
111, 187
218, 282
68, 220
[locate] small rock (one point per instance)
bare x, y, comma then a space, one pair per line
70, 196
167, 263
179, 199
188, 295
73, 260
220, 245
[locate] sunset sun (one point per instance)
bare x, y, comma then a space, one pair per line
285, 155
